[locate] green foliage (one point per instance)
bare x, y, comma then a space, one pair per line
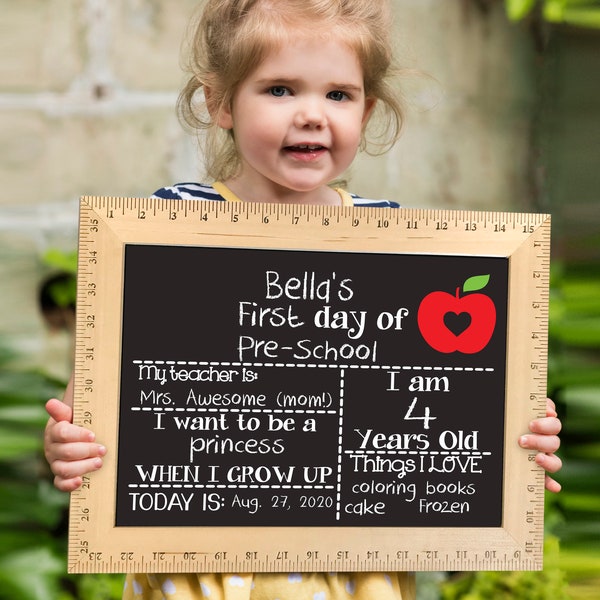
63, 287
30, 573
575, 383
62, 261
580, 13
32, 512
518, 9
574, 380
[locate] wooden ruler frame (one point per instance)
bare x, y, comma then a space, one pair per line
108, 223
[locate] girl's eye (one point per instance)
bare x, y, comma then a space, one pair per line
278, 91
337, 95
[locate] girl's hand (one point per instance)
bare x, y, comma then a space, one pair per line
544, 438
70, 450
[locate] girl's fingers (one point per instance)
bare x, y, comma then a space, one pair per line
552, 485
67, 485
74, 452
550, 408
59, 411
64, 432
67, 470
550, 462
541, 443
546, 426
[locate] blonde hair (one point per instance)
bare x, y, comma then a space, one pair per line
232, 37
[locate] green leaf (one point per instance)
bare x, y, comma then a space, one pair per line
478, 282
582, 563
14, 444
26, 387
17, 539
583, 17
29, 415
585, 398
518, 9
581, 331
31, 574
65, 261
105, 586
64, 292
574, 299
35, 505
581, 13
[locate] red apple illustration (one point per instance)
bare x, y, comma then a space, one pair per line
432, 318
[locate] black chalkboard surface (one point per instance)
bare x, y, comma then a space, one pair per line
278, 387
308, 388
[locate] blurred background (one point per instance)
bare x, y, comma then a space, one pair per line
502, 114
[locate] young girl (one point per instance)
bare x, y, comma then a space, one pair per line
289, 87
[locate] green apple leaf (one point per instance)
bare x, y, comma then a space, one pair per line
478, 282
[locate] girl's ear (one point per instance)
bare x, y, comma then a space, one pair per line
369, 106
220, 115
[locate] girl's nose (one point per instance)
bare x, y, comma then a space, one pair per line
311, 115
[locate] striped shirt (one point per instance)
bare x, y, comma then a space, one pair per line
200, 191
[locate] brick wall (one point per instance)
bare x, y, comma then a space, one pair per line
87, 94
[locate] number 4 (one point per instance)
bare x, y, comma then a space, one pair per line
426, 418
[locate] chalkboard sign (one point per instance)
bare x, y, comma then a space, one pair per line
266, 376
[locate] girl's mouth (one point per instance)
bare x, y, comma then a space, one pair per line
305, 151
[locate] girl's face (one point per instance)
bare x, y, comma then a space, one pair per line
297, 121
